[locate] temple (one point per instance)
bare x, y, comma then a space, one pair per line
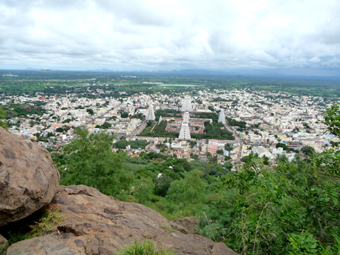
150, 114
221, 117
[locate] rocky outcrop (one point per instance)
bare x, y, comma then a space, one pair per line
28, 177
3, 245
98, 224
189, 223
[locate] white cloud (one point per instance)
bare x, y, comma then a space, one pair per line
166, 34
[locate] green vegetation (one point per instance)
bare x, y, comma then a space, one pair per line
146, 247
22, 110
134, 144
89, 160
158, 131
167, 113
2, 116
214, 131
240, 124
46, 223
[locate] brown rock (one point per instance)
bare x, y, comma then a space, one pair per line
98, 224
222, 249
28, 177
189, 223
3, 245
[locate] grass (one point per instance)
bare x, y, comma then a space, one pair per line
45, 224
3, 246
144, 248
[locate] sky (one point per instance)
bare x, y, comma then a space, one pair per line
288, 36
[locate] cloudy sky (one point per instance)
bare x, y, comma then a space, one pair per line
292, 36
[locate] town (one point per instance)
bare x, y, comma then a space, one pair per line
220, 125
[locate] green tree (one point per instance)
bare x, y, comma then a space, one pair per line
89, 160
144, 189
332, 120
2, 116
90, 111
124, 115
307, 150
191, 189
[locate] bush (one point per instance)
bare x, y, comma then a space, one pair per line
144, 248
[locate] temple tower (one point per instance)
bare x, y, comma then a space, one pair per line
221, 117
184, 134
186, 117
150, 114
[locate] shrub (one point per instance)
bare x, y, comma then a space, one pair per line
144, 248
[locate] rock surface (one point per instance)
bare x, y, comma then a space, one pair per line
189, 223
98, 224
3, 245
28, 177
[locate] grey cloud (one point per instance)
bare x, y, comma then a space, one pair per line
170, 34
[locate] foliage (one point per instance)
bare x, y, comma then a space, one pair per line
214, 131
158, 131
241, 124
189, 190
124, 115
143, 190
307, 150
144, 248
89, 160
303, 244
46, 224
90, 111
332, 120
2, 116
134, 144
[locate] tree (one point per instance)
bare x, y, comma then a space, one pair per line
2, 116
220, 152
124, 115
307, 150
332, 120
162, 185
143, 190
90, 111
228, 147
89, 160
191, 189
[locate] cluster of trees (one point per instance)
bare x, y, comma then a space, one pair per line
158, 131
2, 116
214, 131
22, 110
106, 125
240, 124
134, 144
167, 113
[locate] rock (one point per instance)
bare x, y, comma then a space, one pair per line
189, 223
98, 224
3, 245
28, 177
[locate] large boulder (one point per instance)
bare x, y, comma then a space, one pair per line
28, 177
98, 224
